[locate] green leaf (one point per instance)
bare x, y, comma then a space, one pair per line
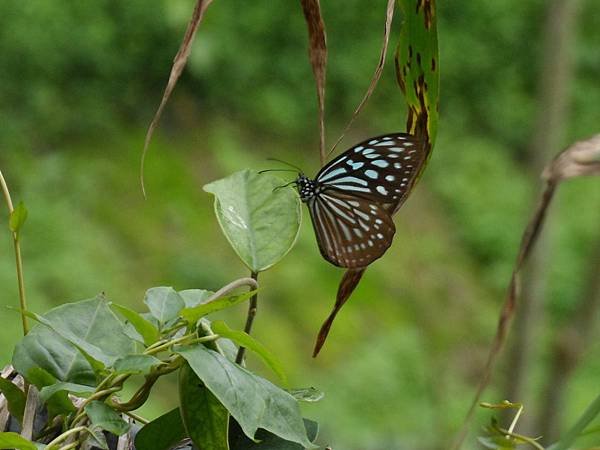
136, 364
418, 64
15, 398
164, 303
104, 417
253, 401
192, 315
245, 340
58, 403
162, 433
309, 395
204, 417
260, 222
145, 328
92, 328
17, 218
268, 441
195, 297
94, 439
12, 440
77, 389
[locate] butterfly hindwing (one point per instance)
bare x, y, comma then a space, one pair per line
351, 231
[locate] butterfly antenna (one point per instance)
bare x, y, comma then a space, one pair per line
276, 170
284, 185
286, 163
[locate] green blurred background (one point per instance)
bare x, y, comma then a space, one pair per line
79, 82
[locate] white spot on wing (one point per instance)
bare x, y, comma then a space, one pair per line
380, 163
371, 174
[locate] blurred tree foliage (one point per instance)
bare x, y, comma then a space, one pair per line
79, 81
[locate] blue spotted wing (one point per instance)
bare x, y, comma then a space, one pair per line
356, 195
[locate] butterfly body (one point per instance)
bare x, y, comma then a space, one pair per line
352, 199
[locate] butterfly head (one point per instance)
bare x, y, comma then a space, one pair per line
307, 188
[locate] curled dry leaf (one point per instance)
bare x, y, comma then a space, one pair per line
178, 65
581, 158
317, 52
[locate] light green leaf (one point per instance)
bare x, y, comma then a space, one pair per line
136, 364
194, 297
268, 441
145, 328
17, 218
260, 222
164, 303
77, 389
162, 433
192, 315
309, 395
245, 340
253, 401
205, 419
15, 398
92, 328
12, 440
104, 417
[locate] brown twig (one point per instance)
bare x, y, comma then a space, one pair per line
252, 308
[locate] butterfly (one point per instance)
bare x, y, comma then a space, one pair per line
352, 199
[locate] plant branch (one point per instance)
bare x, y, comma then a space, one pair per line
65, 435
252, 308
18, 258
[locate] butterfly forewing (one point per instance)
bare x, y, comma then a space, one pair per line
351, 231
382, 169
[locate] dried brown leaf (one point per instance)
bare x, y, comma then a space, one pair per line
179, 63
317, 52
389, 14
581, 158
347, 286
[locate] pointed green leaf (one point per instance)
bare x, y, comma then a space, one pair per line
253, 401
12, 440
80, 390
309, 395
58, 403
260, 221
144, 327
192, 315
245, 340
194, 297
164, 303
104, 417
136, 364
204, 417
15, 398
17, 218
162, 433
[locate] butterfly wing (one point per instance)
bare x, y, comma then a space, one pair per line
381, 169
351, 231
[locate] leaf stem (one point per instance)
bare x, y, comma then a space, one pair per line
18, 258
64, 436
252, 308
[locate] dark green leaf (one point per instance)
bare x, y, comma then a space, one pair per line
58, 403
164, 303
144, 327
204, 417
192, 315
94, 438
12, 440
253, 401
260, 222
104, 417
162, 433
136, 364
268, 441
17, 218
308, 395
77, 389
15, 398
194, 297
245, 340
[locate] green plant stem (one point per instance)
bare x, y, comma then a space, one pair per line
588, 416
137, 418
18, 258
252, 308
64, 436
191, 338
70, 446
